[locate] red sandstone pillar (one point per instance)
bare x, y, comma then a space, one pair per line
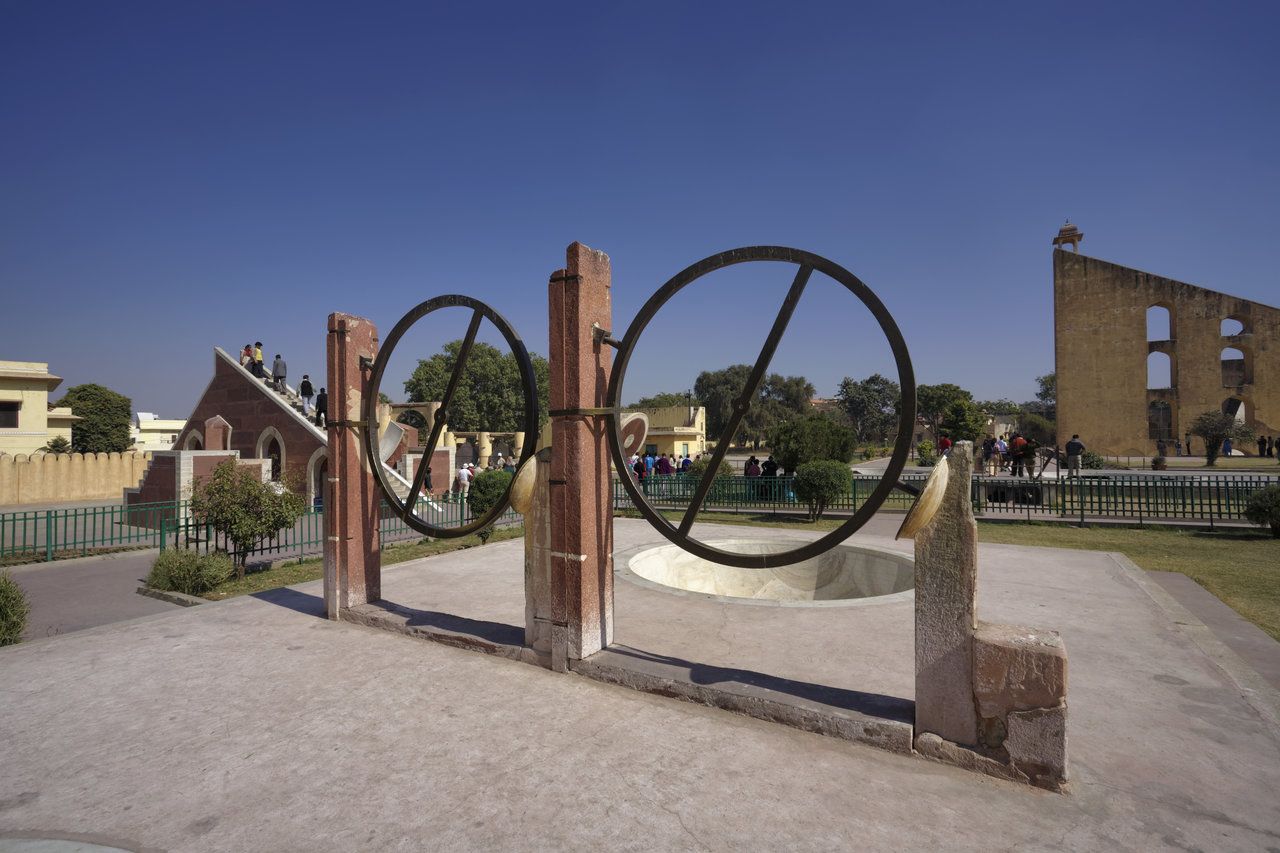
581, 500
352, 559
217, 433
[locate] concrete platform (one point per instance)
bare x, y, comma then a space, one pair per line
253, 724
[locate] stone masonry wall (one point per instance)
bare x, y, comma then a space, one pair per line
1101, 349
68, 477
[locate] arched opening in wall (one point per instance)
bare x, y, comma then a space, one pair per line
1159, 371
1159, 421
1233, 368
1232, 326
1237, 408
194, 441
1159, 323
317, 470
270, 445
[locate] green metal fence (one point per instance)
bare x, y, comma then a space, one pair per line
1124, 496
307, 535
35, 535
47, 534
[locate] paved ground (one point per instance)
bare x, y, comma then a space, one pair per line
253, 724
71, 595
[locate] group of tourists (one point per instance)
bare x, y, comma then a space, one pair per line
661, 465
1014, 453
251, 359
461, 486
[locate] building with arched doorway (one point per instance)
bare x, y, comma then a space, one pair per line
1139, 356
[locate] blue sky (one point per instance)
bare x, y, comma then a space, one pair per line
176, 176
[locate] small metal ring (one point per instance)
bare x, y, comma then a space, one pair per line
371, 438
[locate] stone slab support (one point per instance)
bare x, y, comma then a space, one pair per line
352, 559
537, 561
946, 582
579, 486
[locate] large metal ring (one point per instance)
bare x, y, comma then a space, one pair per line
807, 263
371, 442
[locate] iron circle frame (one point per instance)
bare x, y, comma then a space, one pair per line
906, 416
371, 438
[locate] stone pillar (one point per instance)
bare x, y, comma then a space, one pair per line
217, 434
352, 559
581, 505
537, 561
517, 444
946, 576
484, 449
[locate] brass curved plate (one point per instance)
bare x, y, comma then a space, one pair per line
926, 506
522, 486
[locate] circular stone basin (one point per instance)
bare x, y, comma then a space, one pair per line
847, 574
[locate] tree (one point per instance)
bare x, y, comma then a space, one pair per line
1047, 396
1216, 427
236, 503
872, 406
104, 419
777, 398
964, 421
811, 439
664, 400
932, 401
1038, 428
57, 446
1003, 406
1263, 509
489, 395
820, 484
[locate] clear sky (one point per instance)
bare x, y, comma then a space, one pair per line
175, 176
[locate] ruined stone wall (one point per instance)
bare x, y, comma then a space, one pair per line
1101, 350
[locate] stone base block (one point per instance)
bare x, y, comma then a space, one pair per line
1017, 669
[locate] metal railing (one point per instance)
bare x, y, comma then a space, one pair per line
44, 535
1125, 496
307, 535
51, 533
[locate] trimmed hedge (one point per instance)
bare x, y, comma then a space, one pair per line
187, 572
821, 483
14, 610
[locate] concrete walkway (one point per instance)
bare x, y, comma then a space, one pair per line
71, 595
253, 724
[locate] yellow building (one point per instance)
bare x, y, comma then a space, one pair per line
26, 422
676, 430
150, 433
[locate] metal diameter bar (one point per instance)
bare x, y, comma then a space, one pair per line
459, 364
743, 403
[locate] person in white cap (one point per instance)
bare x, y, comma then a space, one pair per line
464, 479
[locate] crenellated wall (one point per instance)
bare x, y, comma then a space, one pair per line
68, 477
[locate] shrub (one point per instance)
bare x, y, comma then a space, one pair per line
1089, 459
1263, 509
13, 610
698, 469
819, 484
926, 454
485, 493
234, 501
179, 570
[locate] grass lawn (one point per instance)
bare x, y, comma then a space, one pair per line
1240, 567
312, 568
